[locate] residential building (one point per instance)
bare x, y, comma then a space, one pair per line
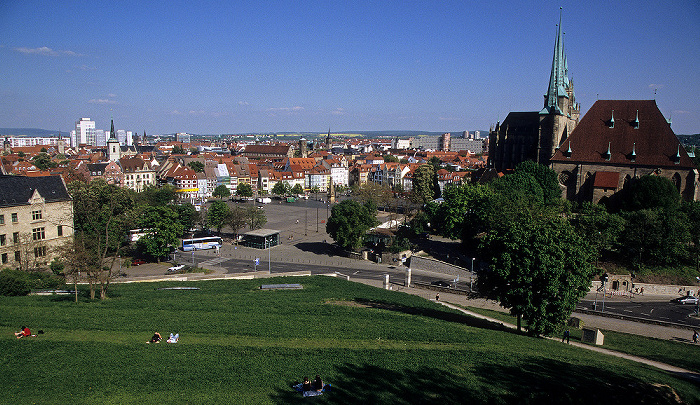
36, 219
81, 131
138, 174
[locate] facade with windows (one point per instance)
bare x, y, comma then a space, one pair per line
36, 219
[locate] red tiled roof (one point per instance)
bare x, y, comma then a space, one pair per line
606, 180
653, 141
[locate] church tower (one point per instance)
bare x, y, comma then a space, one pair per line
113, 147
561, 113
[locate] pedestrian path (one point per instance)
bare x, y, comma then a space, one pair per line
691, 375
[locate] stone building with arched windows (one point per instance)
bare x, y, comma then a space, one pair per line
618, 141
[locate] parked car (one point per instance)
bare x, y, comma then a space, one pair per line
176, 268
688, 299
138, 262
440, 283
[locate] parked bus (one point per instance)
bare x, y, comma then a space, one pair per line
209, 242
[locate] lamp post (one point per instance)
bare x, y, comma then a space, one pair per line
471, 276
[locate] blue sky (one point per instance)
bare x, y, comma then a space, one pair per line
274, 66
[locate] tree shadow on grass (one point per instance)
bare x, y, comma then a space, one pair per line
534, 381
436, 314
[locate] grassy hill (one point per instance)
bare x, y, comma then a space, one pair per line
241, 345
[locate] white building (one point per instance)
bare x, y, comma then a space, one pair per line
81, 131
121, 136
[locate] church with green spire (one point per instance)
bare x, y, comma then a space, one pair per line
537, 135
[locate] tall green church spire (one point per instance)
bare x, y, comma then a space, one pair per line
558, 79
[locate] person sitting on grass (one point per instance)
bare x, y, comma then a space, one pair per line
156, 338
173, 338
306, 385
317, 384
25, 332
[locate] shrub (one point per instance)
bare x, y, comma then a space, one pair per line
14, 283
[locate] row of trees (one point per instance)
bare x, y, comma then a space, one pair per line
104, 214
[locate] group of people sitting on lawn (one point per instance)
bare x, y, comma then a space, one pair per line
311, 388
157, 338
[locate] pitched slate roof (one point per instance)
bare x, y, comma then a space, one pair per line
638, 127
18, 190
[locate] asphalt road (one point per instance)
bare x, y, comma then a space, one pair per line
652, 308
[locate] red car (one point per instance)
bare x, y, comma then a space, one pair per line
138, 262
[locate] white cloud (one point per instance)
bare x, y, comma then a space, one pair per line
175, 112
243, 103
45, 51
101, 101
656, 86
111, 95
338, 111
286, 109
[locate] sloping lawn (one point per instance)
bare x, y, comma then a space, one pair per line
241, 345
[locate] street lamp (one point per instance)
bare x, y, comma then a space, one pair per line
471, 275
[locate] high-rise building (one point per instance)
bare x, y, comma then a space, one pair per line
129, 138
182, 137
81, 130
121, 136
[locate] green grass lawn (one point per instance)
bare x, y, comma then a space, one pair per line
675, 353
241, 345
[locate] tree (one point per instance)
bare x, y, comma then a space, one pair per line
187, 216
256, 217
217, 214
424, 180
545, 177
463, 213
244, 190
197, 166
538, 268
596, 225
177, 150
163, 230
43, 161
378, 194
154, 195
655, 236
237, 218
390, 159
650, 192
102, 215
297, 189
349, 221
221, 191
281, 188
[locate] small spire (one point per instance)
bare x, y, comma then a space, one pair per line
635, 123
568, 151
608, 153
611, 123
678, 154
633, 155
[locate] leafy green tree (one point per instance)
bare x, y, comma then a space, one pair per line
297, 189
692, 211
256, 217
656, 236
178, 150
650, 192
463, 213
217, 214
390, 159
237, 218
155, 195
539, 268
43, 161
221, 191
600, 228
281, 188
197, 166
521, 187
163, 230
187, 216
102, 216
244, 190
424, 180
348, 223
194, 151
315, 190
378, 194
545, 177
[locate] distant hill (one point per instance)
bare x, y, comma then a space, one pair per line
34, 132
689, 139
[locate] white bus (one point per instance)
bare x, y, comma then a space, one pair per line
209, 242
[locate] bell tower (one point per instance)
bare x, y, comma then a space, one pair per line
113, 147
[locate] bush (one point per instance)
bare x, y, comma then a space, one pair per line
14, 283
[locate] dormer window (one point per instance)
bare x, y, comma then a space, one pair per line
635, 123
633, 155
608, 154
611, 122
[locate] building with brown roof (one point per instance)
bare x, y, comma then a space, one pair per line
618, 141
268, 151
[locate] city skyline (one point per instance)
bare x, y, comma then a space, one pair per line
306, 66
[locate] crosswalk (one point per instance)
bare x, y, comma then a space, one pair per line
214, 261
